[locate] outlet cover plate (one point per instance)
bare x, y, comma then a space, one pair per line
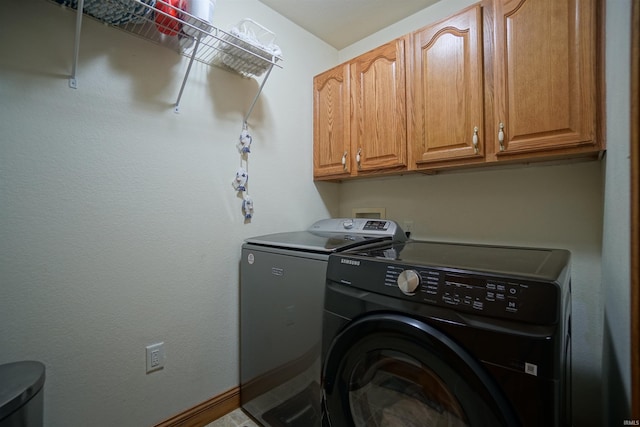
155, 357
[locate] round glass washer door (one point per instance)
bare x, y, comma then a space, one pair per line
388, 370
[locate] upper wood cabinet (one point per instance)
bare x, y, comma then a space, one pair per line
378, 102
331, 123
545, 64
501, 81
359, 115
445, 96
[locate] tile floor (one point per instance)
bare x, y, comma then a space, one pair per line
274, 397
235, 418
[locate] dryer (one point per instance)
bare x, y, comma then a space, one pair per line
428, 333
282, 280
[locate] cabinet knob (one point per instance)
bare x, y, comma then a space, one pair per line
475, 140
358, 158
344, 161
501, 136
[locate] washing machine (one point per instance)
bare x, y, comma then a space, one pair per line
429, 333
282, 281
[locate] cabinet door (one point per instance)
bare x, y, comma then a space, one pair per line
331, 127
378, 124
545, 76
445, 100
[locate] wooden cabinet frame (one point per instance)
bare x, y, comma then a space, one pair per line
547, 96
379, 109
359, 115
331, 123
445, 92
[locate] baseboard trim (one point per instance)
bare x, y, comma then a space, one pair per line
207, 411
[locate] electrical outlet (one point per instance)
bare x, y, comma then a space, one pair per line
155, 357
408, 225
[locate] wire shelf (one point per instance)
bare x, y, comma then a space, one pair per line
182, 32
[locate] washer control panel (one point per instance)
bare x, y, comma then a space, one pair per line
360, 226
528, 285
477, 293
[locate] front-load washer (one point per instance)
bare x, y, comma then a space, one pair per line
282, 280
426, 333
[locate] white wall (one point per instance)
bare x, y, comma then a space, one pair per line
118, 223
547, 206
616, 235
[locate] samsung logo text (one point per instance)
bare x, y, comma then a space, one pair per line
349, 261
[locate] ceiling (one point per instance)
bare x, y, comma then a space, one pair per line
343, 22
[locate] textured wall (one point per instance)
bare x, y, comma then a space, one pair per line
616, 369
118, 223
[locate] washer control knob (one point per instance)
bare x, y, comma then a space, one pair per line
408, 282
347, 224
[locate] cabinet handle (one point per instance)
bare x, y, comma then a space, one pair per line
501, 136
475, 140
358, 158
344, 161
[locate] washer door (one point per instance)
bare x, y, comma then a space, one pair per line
393, 370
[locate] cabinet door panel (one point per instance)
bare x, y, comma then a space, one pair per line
545, 74
331, 126
378, 125
446, 102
